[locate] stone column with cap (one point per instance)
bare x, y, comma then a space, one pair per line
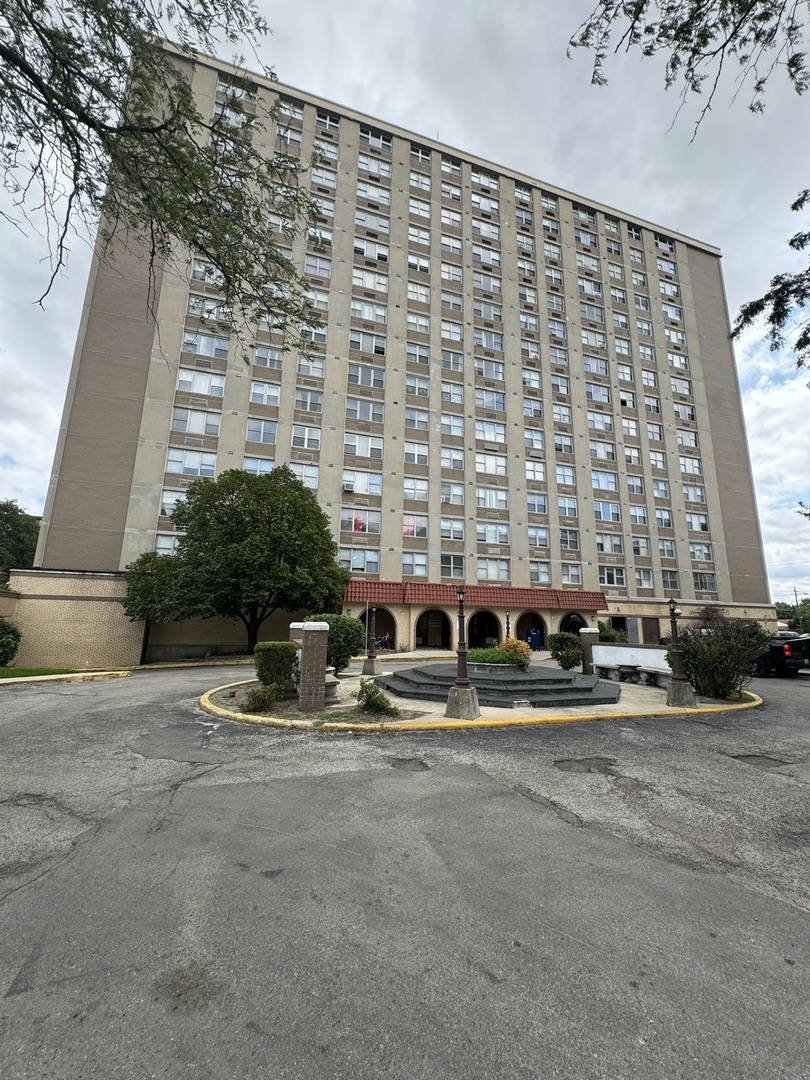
312, 637
588, 637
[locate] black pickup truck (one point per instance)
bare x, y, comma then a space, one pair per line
785, 656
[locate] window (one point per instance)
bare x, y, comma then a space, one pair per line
306, 438
612, 575
606, 511
686, 437
263, 431
323, 177
416, 453
632, 455
415, 525
417, 385
527, 268
638, 515
530, 350
487, 230
451, 272
417, 235
365, 342
527, 294
658, 459
678, 360
602, 451
594, 339
166, 543
644, 579
450, 457
523, 217
451, 167
641, 545
190, 462
414, 489
652, 404
556, 328
208, 307
663, 518
606, 481
591, 312
539, 572
258, 466
666, 549
704, 582
488, 430
563, 444
609, 543
587, 262
571, 573
366, 375
487, 282
492, 464
369, 311
669, 579
454, 425
452, 528
661, 489
647, 353
420, 293
666, 266
369, 446
597, 392
700, 552
373, 192
310, 365
566, 506
492, 532
484, 255
538, 504
361, 521
636, 255
375, 140
451, 191
317, 265
620, 321
200, 383
613, 247
360, 560
617, 273
491, 312
627, 399
565, 475
361, 483
365, 409
308, 400
418, 324
679, 385
452, 493
489, 369
523, 194
587, 239
291, 109
370, 249
490, 399
453, 331
485, 203
655, 432
493, 569
419, 180
683, 412
639, 279
447, 217
595, 365
552, 250
690, 465
418, 262
452, 566
694, 493
599, 421
674, 337
532, 407
484, 179
417, 354
484, 339
538, 536
205, 344
324, 206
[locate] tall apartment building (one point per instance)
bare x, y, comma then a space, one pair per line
517, 388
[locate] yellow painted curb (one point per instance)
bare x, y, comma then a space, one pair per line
78, 676
446, 725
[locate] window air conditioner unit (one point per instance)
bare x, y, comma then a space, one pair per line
445, 498
348, 485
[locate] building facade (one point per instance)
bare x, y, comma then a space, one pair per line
514, 387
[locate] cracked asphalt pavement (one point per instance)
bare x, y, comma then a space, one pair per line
182, 897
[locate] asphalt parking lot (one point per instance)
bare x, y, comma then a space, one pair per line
609, 899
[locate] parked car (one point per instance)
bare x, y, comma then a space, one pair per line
787, 654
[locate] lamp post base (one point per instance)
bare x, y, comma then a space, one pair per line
680, 694
462, 703
371, 666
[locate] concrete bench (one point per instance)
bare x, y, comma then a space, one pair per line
655, 676
607, 671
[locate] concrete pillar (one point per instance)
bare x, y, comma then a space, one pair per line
588, 636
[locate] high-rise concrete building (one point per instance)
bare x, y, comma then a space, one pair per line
516, 387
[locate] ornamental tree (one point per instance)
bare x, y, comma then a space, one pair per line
249, 546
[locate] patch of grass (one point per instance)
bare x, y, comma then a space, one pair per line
287, 710
740, 695
28, 673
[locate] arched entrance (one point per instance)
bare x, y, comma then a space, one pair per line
572, 623
527, 622
432, 630
385, 628
483, 630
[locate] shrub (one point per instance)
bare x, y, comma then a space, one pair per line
276, 665
347, 638
607, 633
260, 698
719, 656
487, 656
516, 652
566, 649
9, 642
371, 699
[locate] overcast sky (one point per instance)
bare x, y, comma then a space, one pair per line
494, 80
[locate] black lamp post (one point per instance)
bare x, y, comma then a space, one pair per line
680, 689
508, 626
371, 645
462, 679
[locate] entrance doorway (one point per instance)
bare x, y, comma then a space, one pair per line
527, 622
432, 630
385, 627
483, 630
572, 623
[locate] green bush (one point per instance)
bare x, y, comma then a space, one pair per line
9, 642
719, 655
517, 652
347, 638
607, 633
566, 649
260, 698
487, 656
371, 699
276, 665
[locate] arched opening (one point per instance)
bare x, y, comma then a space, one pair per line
572, 623
385, 628
531, 628
432, 630
483, 630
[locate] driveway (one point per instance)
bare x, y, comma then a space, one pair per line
181, 898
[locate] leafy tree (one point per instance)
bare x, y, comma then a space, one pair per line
98, 123
18, 538
719, 653
701, 40
566, 649
250, 545
10, 638
347, 638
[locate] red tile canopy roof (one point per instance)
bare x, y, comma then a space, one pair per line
361, 591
